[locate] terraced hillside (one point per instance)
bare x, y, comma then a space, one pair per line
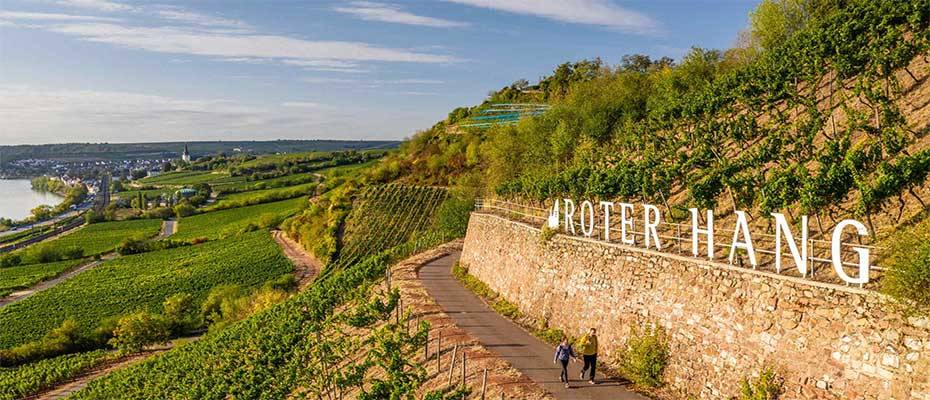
273, 353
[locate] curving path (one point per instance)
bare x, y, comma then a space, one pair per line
306, 266
525, 352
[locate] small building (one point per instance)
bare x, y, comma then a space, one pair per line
185, 193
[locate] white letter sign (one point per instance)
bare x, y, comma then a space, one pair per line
587, 224
650, 222
837, 252
626, 221
742, 226
800, 257
569, 214
608, 205
709, 232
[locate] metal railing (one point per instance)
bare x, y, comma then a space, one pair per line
676, 238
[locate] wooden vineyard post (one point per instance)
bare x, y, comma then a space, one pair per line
426, 349
387, 278
452, 364
484, 384
463, 369
438, 352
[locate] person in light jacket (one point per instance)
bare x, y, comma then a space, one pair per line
563, 354
588, 346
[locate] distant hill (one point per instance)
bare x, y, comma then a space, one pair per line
125, 151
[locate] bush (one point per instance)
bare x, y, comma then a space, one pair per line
137, 330
133, 245
10, 260
67, 338
644, 359
767, 386
908, 276
184, 210
181, 314
546, 233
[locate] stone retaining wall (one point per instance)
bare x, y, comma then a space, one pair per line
724, 322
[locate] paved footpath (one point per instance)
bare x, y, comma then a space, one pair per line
498, 334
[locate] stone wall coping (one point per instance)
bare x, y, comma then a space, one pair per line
699, 262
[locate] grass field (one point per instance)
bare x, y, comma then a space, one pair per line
102, 237
281, 181
143, 281
216, 224
24, 276
186, 178
264, 196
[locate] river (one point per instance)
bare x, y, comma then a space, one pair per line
17, 198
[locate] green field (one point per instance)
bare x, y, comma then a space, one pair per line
19, 382
24, 276
187, 178
264, 196
216, 224
281, 181
143, 281
102, 237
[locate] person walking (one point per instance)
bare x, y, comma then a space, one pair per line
563, 354
588, 346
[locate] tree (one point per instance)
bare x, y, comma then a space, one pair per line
137, 174
137, 330
184, 209
181, 313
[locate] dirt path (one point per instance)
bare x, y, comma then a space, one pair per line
22, 294
305, 264
525, 352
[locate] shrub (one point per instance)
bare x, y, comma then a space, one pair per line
133, 245
184, 210
645, 357
768, 386
10, 260
181, 314
67, 338
546, 233
137, 330
908, 278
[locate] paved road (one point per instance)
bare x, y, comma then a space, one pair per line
499, 335
168, 228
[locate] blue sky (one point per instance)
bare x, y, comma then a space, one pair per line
126, 71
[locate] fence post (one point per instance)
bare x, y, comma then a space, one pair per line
484, 384
438, 352
463, 368
452, 364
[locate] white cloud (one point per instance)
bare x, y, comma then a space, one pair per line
369, 11
300, 104
323, 80
175, 40
589, 12
184, 16
100, 5
54, 116
39, 16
